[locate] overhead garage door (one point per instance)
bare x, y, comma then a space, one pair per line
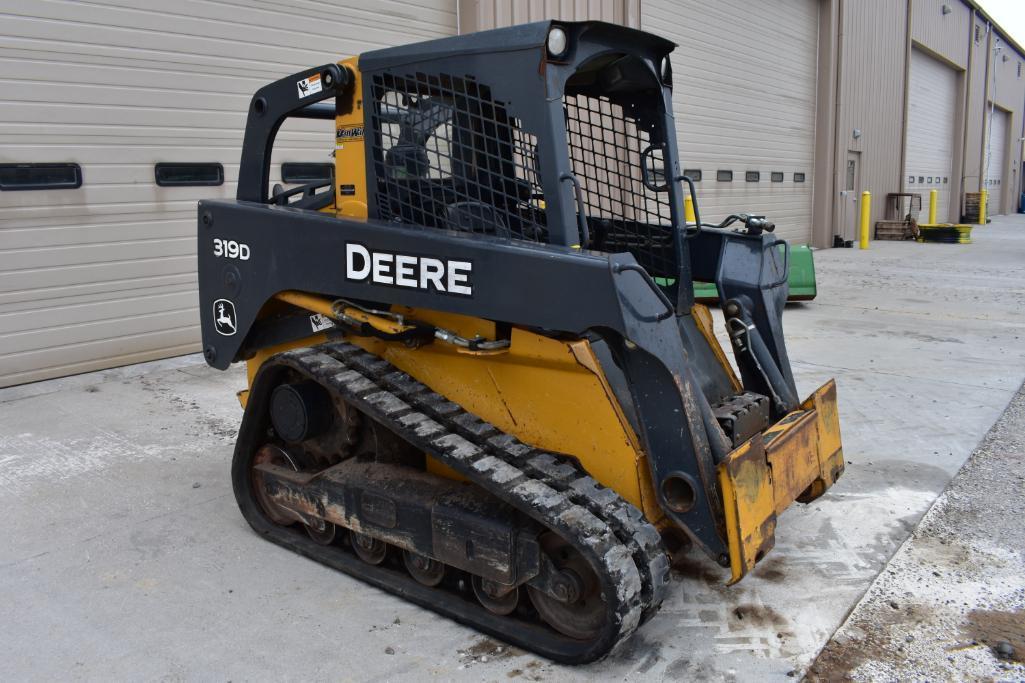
929, 157
104, 274
997, 161
744, 78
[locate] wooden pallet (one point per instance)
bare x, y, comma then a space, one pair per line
893, 230
971, 207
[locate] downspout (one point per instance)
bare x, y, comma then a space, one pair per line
992, 106
965, 115
906, 93
838, 228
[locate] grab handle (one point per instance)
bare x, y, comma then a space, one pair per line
585, 233
670, 310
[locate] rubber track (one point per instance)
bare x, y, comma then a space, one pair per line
558, 471
612, 534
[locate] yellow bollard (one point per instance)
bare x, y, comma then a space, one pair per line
983, 196
866, 213
932, 206
688, 210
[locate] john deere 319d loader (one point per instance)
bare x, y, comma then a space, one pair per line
477, 375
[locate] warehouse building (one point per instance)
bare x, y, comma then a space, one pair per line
121, 114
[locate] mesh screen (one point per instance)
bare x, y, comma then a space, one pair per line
624, 214
448, 156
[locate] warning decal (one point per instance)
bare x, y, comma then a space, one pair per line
309, 86
320, 322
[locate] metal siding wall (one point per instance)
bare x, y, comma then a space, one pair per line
975, 108
744, 95
1009, 86
1008, 91
871, 98
480, 15
943, 34
931, 127
105, 275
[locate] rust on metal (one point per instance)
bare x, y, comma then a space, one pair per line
796, 459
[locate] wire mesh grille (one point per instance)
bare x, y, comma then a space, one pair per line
449, 156
624, 213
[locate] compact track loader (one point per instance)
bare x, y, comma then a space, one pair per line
477, 375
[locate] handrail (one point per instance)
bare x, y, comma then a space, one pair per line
585, 233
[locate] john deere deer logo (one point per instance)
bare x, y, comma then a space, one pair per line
224, 317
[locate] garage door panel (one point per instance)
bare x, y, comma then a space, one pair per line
26, 285
71, 335
15, 133
80, 296
95, 234
996, 153
109, 269
14, 260
103, 54
744, 100
89, 315
97, 154
96, 196
40, 364
74, 212
44, 221
219, 20
58, 113
118, 95
105, 290
81, 71
108, 25
932, 103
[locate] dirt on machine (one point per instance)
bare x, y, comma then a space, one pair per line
477, 375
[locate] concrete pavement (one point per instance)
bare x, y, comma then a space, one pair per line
115, 564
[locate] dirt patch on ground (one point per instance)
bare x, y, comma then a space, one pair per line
758, 615
866, 642
1004, 632
533, 670
487, 649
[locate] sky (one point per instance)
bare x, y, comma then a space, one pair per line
1010, 14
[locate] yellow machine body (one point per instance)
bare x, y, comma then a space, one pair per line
553, 394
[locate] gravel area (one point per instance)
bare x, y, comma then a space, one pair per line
951, 603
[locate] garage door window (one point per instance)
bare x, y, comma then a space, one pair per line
40, 176
188, 175
292, 172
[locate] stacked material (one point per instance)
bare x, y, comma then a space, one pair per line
971, 206
895, 230
951, 233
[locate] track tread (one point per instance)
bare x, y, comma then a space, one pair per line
552, 488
